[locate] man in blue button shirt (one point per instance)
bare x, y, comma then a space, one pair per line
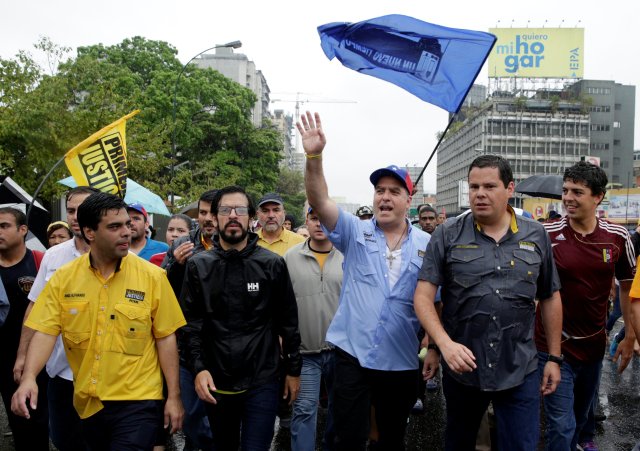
375, 328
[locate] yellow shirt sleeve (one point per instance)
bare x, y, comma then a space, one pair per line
46, 312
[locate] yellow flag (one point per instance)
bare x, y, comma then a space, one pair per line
100, 161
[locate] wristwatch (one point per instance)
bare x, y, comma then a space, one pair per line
556, 359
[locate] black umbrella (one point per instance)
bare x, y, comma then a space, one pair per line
548, 186
13, 195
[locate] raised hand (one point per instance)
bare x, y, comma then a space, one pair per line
313, 138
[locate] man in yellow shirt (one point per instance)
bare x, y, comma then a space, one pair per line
272, 235
118, 315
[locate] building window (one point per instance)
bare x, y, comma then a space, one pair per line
616, 142
600, 109
598, 91
599, 127
599, 146
618, 106
616, 124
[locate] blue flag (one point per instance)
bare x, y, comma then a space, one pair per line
435, 63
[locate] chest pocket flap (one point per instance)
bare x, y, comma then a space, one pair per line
466, 254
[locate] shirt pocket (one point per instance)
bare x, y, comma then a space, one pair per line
132, 329
525, 272
76, 317
365, 273
466, 266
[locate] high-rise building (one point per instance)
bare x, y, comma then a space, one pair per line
417, 199
542, 132
240, 69
612, 109
284, 124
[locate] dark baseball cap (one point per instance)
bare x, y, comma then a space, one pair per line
393, 171
270, 197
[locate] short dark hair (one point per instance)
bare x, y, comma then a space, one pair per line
187, 219
94, 207
591, 175
231, 190
426, 207
207, 196
494, 161
80, 190
20, 217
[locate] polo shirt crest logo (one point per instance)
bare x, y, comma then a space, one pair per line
134, 295
253, 287
606, 255
560, 238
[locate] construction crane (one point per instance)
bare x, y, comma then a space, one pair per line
301, 101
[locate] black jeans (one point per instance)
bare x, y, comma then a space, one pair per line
355, 389
124, 426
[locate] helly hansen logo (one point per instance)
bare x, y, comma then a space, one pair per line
253, 286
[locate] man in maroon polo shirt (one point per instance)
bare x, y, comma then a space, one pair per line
589, 252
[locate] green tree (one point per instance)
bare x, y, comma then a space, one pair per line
291, 187
42, 115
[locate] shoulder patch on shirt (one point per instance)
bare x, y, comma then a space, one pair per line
526, 245
134, 295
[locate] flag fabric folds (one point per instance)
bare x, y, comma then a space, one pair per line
100, 161
435, 63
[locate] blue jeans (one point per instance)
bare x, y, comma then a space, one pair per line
517, 413
196, 424
305, 407
567, 409
253, 412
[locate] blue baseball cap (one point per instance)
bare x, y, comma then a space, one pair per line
393, 171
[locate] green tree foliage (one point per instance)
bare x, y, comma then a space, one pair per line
291, 187
44, 114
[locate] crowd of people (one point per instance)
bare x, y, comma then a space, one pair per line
114, 341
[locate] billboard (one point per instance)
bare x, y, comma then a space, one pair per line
537, 53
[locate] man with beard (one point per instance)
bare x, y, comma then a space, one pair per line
427, 218
18, 268
375, 327
117, 315
272, 235
196, 424
64, 422
143, 246
238, 300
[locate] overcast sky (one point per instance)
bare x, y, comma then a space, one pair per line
386, 124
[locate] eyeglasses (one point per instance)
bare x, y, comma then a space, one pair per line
226, 211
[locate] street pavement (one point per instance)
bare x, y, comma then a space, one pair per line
619, 398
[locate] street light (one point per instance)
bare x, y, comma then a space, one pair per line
232, 45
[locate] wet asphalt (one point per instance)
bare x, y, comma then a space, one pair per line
619, 400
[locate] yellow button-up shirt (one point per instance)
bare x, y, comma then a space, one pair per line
283, 243
109, 327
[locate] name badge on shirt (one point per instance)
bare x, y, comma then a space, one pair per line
420, 253
526, 245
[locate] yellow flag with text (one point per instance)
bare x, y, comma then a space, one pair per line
100, 161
